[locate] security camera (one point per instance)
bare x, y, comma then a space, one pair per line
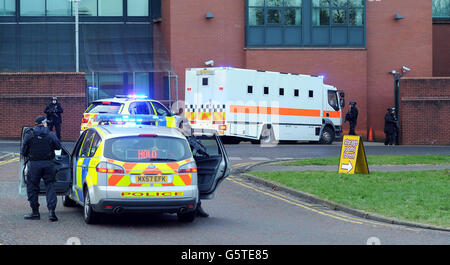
209, 63
405, 69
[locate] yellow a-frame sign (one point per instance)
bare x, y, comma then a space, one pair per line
353, 157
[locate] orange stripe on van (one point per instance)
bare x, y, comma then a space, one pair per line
274, 111
332, 114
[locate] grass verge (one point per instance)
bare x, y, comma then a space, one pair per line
417, 196
379, 160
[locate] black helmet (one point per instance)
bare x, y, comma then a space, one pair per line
39, 120
54, 98
352, 103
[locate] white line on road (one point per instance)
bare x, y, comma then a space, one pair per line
259, 158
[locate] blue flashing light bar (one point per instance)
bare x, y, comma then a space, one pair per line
132, 120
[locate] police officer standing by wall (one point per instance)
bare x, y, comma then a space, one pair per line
39, 147
54, 118
352, 117
390, 125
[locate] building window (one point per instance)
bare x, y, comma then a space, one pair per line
296, 92
110, 8
306, 23
137, 8
266, 90
441, 9
274, 12
205, 81
58, 8
311, 93
87, 8
343, 12
281, 91
105, 8
250, 89
32, 7
7, 7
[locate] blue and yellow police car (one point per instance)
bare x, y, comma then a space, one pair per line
118, 167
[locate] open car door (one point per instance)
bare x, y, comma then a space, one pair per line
62, 171
213, 168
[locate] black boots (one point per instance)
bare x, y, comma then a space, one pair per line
201, 212
34, 215
52, 216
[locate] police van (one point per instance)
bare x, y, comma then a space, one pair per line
118, 168
263, 106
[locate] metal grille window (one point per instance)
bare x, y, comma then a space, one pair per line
441, 9
7, 7
340, 12
274, 12
307, 23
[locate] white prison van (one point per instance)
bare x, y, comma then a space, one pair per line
262, 106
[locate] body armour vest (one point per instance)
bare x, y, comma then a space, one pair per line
40, 148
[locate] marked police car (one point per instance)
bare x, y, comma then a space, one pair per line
129, 105
142, 168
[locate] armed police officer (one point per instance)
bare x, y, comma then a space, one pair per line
39, 147
54, 118
352, 117
390, 126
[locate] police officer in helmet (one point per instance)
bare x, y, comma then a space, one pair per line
352, 117
54, 118
39, 147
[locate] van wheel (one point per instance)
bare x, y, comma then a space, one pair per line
187, 217
328, 135
68, 202
267, 135
90, 217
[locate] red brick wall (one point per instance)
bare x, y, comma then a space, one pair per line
23, 96
392, 44
425, 111
191, 39
441, 51
362, 73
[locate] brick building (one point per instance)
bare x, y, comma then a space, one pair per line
144, 46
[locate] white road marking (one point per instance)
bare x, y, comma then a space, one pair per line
259, 158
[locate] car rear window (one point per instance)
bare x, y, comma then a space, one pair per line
104, 107
147, 149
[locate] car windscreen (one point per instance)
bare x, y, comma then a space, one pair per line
104, 107
147, 149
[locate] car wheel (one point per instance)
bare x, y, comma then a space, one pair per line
327, 136
188, 217
68, 202
90, 217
